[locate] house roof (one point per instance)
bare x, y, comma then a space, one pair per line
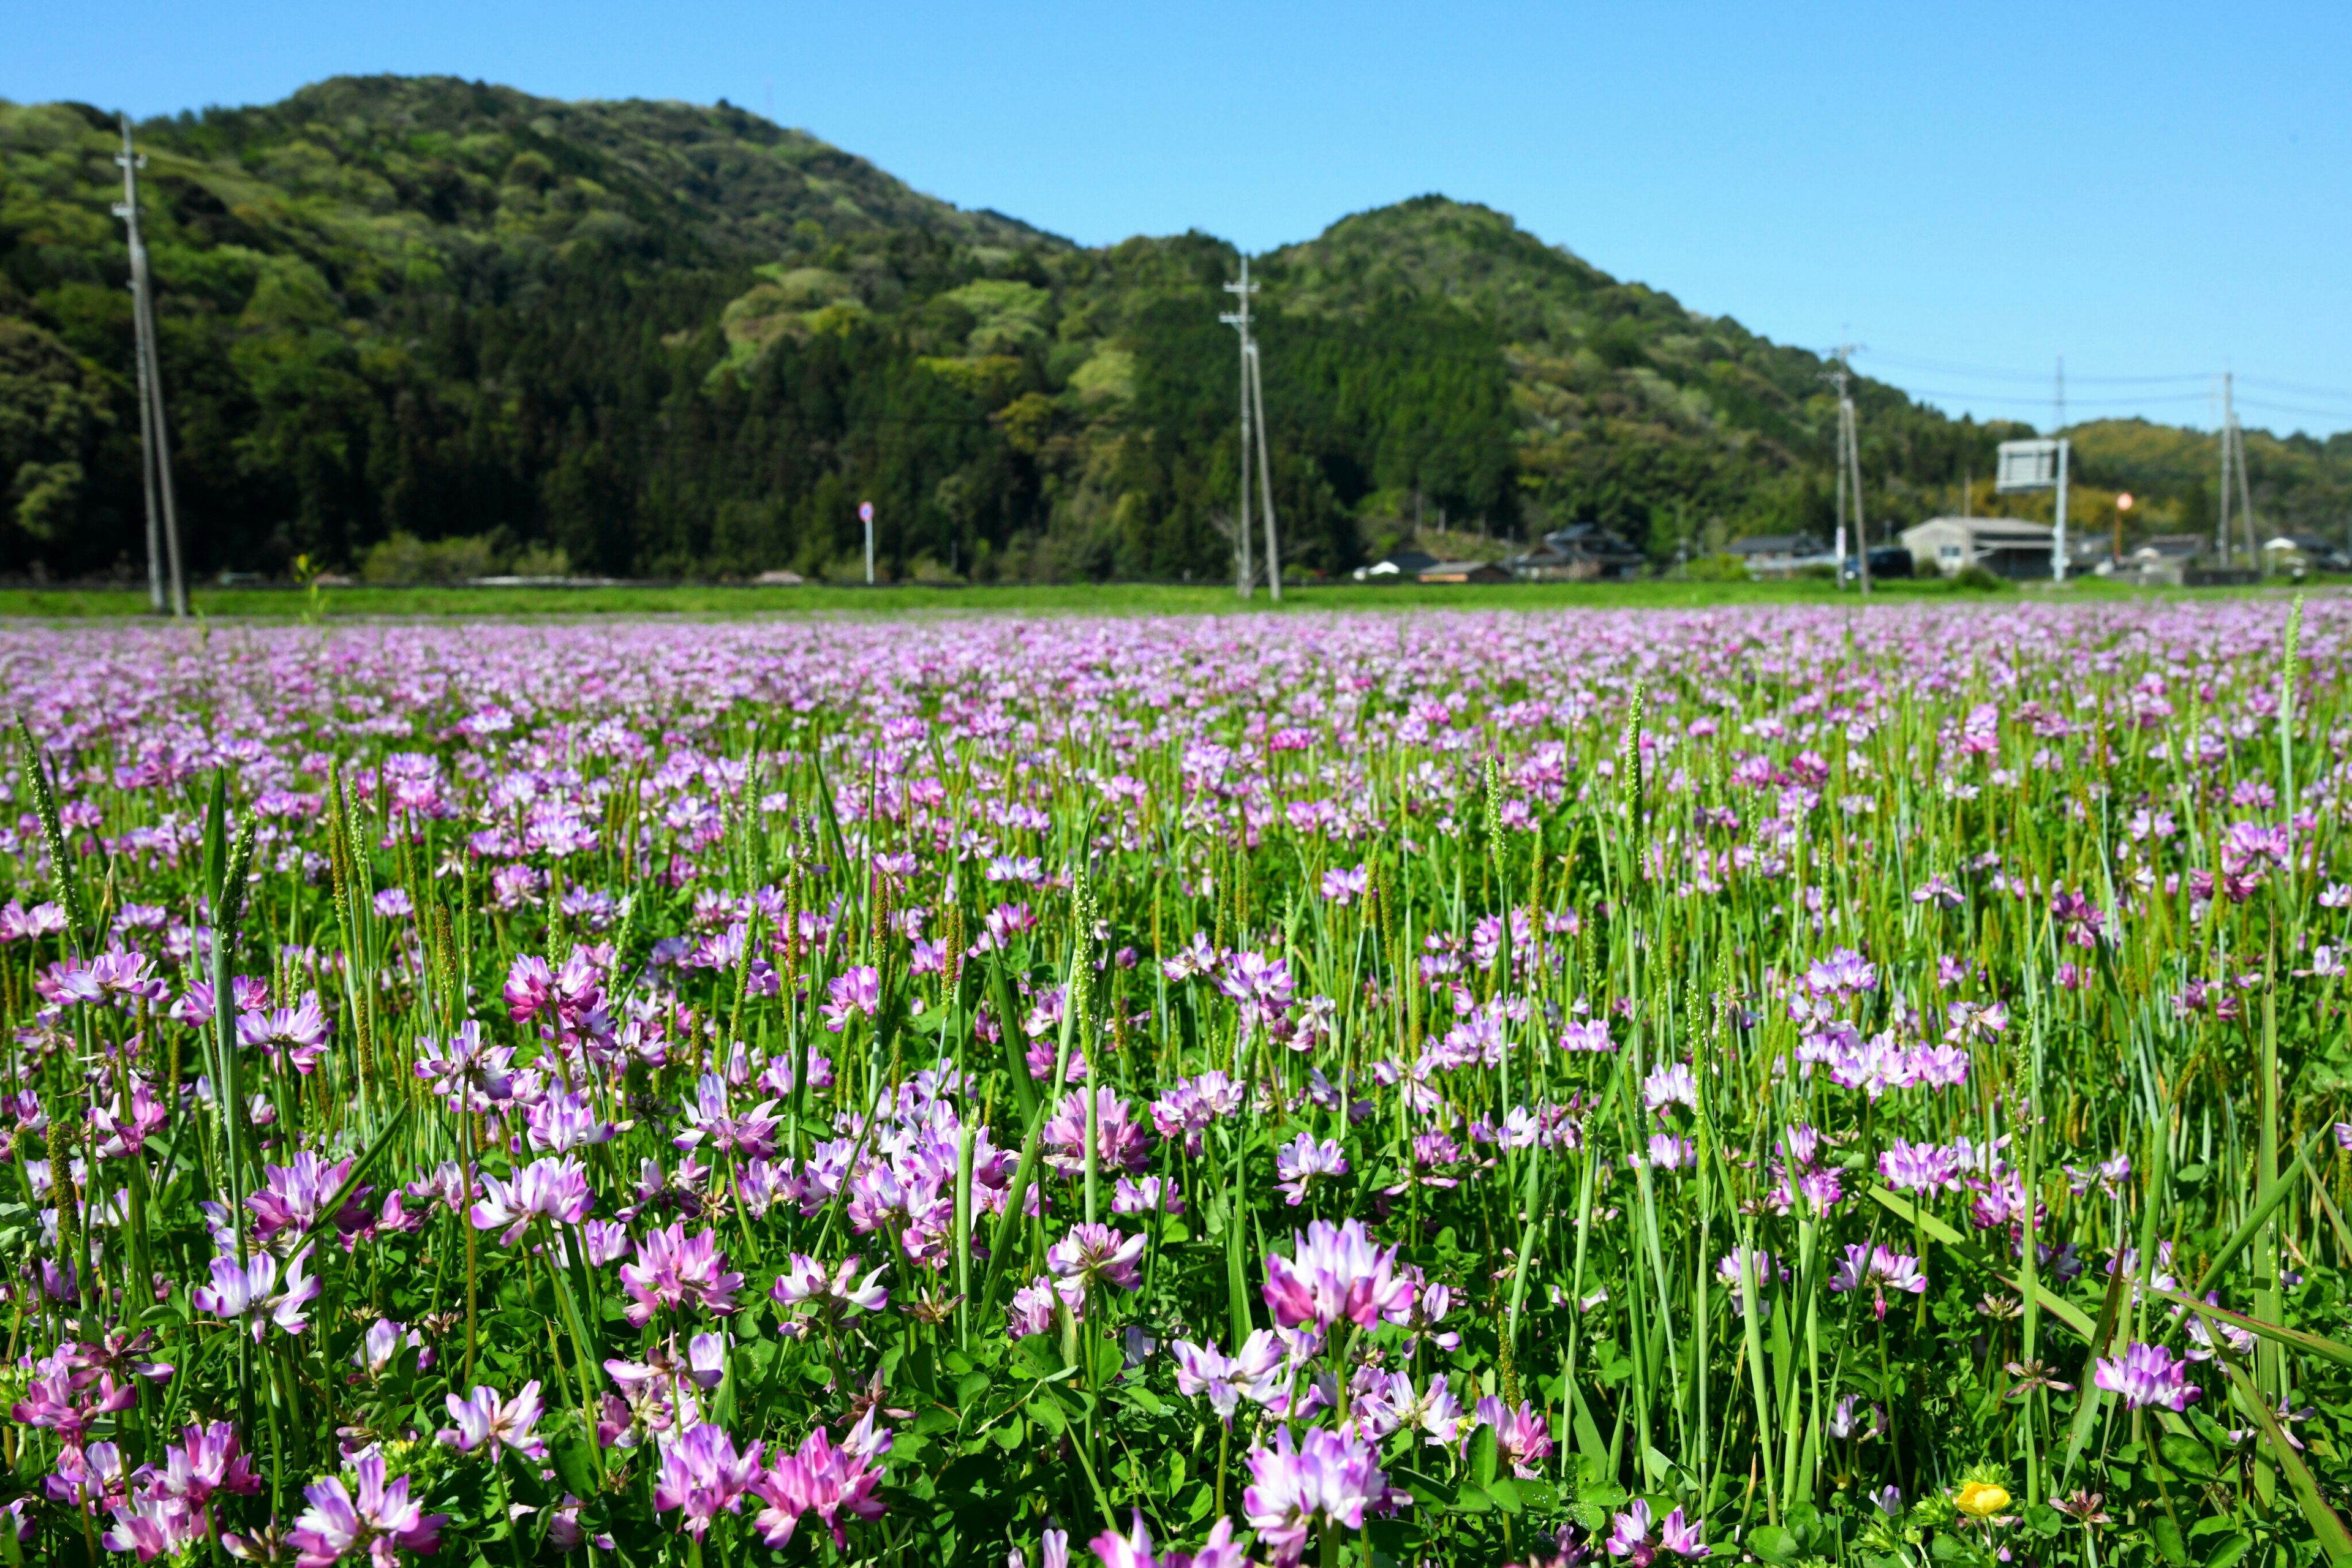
2003, 530
1776, 544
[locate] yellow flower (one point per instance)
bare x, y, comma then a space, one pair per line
1979, 1500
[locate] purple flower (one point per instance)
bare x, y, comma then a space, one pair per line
671, 1271
1919, 1167
471, 1071
1302, 1160
831, 1482
708, 1115
1336, 1272
1631, 1537
379, 1519
484, 1417
294, 1197
1344, 888
1882, 1268
249, 1293
555, 1190
1331, 1478
1120, 1143
1096, 1254
1133, 1549
1031, 1309
856, 991
2146, 1375
296, 1034
1522, 1437
806, 1283
702, 1474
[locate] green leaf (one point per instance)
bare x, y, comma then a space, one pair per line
1047, 1413
1771, 1544
971, 1387
1470, 1500
2230, 1548
2324, 1523
1482, 1456
2187, 1455
2167, 1536
1506, 1493
575, 1464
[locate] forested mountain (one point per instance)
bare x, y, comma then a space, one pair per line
670, 340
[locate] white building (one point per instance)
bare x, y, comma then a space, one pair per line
2004, 546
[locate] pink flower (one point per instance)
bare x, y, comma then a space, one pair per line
1631, 1537
379, 1519
1133, 1549
1522, 1436
297, 1035
671, 1271
1120, 1143
1097, 1254
1302, 1160
1344, 888
1336, 1272
555, 1190
806, 1283
483, 1418
1882, 1268
1031, 1309
702, 1474
1331, 1478
856, 991
2146, 1375
248, 1293
827, 1482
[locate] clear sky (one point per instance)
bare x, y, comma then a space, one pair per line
2151, 190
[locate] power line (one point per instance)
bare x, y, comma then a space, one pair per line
2036, 378
2020, 397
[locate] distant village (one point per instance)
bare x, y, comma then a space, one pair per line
2011, 549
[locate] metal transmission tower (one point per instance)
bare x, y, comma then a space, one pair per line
156, 445
1253, 421
1849, 468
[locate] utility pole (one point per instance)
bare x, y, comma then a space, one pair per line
1264, 478
1849, 469
1252, 400
155, 446
2058, 533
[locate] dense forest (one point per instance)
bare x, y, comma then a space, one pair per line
667, 341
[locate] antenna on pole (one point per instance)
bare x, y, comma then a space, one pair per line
1849, 468
155, 446
1253, 402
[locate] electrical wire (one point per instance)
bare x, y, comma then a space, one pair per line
2036, 378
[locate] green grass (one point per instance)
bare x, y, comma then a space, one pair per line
1114, 598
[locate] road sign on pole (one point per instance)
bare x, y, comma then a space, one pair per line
2038, 466
865, 516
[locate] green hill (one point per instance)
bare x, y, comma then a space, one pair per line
669, 339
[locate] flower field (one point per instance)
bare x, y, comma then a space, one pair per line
1781, 1084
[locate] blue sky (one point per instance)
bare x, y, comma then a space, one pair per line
2152, 191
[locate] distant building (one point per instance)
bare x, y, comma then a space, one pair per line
1581, 552
2309, 548
1780, 554
2004, 546
1396, 566
1463, 571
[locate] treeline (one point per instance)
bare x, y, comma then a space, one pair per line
669, 342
